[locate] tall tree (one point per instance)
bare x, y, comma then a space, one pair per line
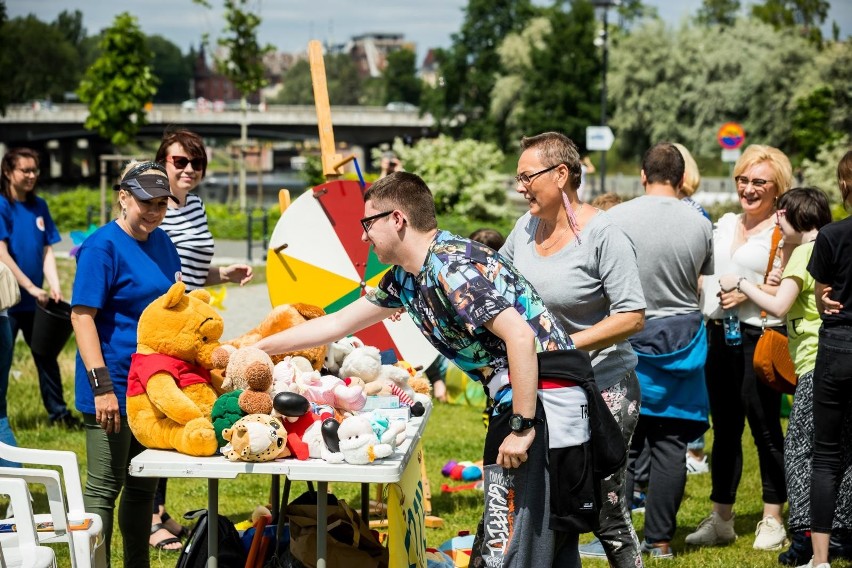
562, 91
120, 82
683, 84
400, 77
344, 84
36, 62
805, 15
718, 12
468, 68
172, 68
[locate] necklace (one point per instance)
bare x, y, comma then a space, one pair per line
561, 235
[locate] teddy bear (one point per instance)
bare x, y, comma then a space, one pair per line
284, 317
337, 352
290, 375
256, 438
250, 370
169, 391
358, 442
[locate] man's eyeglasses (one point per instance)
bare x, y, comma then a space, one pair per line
29, 171
526, 178
180, 162
367, 222
758, 183
778, 214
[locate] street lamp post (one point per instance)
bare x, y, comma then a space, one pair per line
604, 41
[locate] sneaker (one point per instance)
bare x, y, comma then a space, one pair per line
840, 546
713, 531
799, 552
811, 564
637, 504
656, 549
695, 466
593, 549
770, 534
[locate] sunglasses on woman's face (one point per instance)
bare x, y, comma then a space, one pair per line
180, 162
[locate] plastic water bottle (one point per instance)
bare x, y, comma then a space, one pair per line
731, 325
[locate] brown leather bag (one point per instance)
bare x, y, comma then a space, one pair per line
772, 363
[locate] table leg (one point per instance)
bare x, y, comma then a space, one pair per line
365, 502
212, 523
322, 522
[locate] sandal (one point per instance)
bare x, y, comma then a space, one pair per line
165, 518
161, 545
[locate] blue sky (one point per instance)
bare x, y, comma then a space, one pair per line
289, 24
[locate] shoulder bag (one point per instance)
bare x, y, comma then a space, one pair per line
10, 292
772, 363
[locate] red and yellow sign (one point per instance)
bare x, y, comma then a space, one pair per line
731, 135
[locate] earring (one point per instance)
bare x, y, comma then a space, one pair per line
124, 212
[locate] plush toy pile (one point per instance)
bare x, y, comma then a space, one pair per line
192, 394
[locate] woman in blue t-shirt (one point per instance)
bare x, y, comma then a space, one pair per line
121, 268
27, 233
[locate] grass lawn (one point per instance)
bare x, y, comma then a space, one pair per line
453, 432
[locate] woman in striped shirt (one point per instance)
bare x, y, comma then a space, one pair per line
183, 154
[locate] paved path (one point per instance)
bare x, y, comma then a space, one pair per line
245, 306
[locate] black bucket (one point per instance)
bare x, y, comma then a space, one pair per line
51, 328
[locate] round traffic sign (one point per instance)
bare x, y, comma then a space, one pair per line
731, 135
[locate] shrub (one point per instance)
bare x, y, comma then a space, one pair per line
74, 209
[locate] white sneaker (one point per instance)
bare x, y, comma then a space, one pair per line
770, 534
810, 564
713, 531
696, 466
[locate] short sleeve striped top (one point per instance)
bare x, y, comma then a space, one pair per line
187, 227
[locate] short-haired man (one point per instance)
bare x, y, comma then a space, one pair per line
673, 249
480, 313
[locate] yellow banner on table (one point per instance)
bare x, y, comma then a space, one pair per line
407, 517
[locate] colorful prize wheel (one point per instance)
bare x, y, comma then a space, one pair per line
316, 256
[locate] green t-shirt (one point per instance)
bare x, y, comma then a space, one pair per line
803, 321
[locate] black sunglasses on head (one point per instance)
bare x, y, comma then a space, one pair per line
180, 162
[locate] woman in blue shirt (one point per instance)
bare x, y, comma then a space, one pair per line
27, 233
121, 268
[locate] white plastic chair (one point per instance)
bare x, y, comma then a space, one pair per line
24, 551
86, 547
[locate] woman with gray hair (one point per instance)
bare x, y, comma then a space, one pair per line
584, 268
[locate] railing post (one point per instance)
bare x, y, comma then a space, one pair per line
249, 215
264, 224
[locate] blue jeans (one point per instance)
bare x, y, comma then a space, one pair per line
832, 397
49, 378
7, 349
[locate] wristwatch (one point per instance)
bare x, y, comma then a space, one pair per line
518, 423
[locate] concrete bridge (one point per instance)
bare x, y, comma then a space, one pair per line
356, 125
70, 152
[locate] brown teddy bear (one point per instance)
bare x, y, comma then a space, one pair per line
169, 394
280, 318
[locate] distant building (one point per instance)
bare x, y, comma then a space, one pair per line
370, 51
429, 69
207, 83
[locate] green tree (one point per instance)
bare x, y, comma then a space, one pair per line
718, 12
562, 91
683, 84
400, 77
120, 82
478, 193
821, 171
805, 15
344, 84
461, 101
31, 49
812, 122
243, 61
172, 68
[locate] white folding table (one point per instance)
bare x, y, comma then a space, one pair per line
161, 463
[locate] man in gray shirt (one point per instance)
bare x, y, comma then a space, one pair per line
673, 248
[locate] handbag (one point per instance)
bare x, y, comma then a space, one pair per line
10, 292
772, 363
350, 542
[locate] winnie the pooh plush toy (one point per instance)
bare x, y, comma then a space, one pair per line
169, 395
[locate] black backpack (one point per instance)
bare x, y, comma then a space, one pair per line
194, 553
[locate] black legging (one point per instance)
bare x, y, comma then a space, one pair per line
736, 395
